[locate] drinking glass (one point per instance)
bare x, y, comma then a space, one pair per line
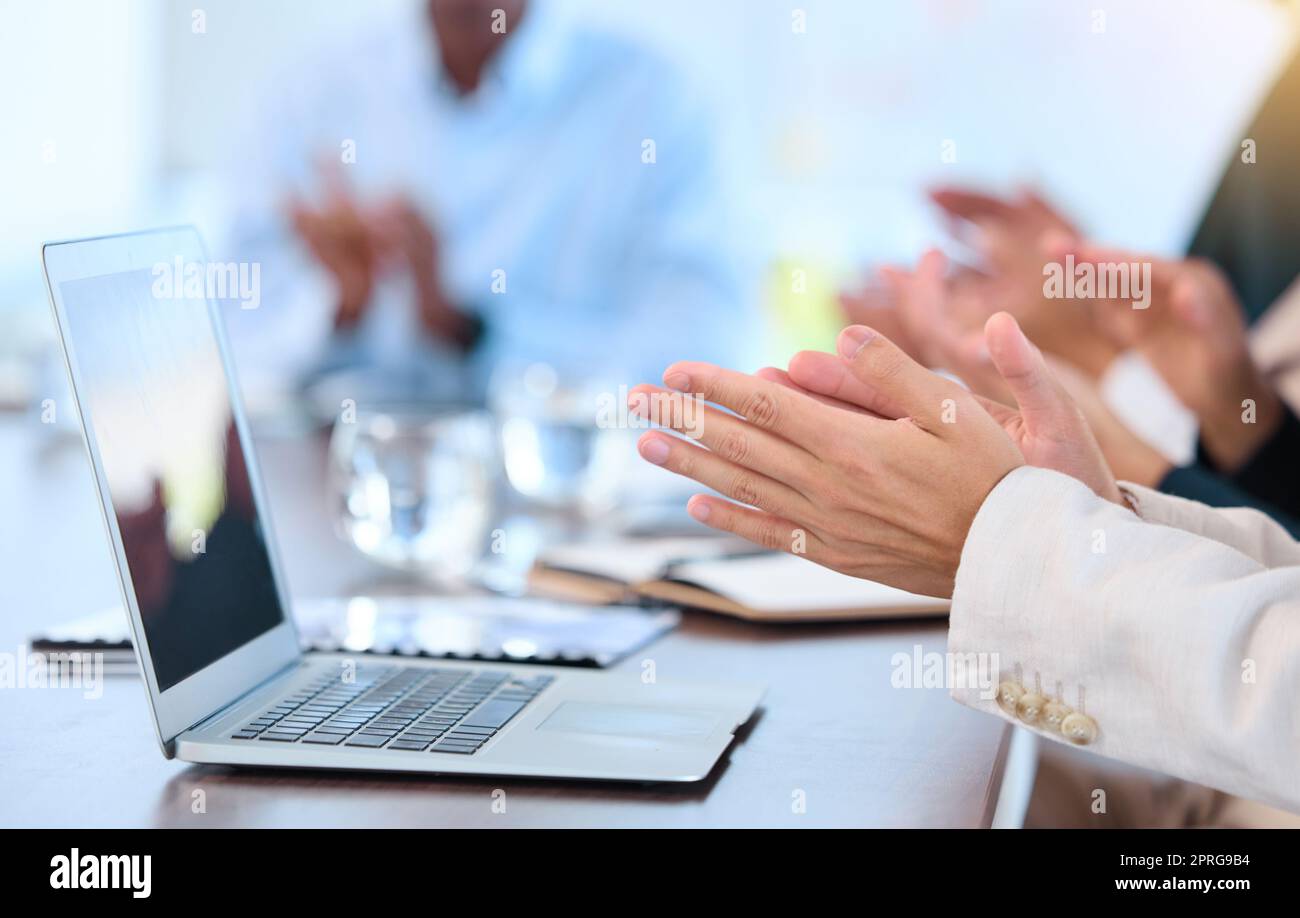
554, 452
412, 488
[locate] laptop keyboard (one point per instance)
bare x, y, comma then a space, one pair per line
408, 709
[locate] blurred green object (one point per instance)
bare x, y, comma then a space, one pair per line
803, 298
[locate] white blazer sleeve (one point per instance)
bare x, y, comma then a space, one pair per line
1177, 651
1251, 532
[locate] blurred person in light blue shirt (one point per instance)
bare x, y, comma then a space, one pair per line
486, 185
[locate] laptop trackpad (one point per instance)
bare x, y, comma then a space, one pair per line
630, 720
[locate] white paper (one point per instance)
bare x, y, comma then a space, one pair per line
781, 582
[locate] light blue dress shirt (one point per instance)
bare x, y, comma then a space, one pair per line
575, 195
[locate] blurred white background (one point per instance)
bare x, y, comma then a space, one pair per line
117, 115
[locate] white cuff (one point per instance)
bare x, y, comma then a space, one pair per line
1026, 555
1169, 649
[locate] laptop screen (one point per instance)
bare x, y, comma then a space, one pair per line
158, 401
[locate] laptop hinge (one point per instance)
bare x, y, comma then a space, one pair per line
278, 674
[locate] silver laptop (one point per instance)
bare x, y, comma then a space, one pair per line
201, 580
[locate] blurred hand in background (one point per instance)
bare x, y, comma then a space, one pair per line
1193, 334
339, 237
360, 243
1015, 238
946, 314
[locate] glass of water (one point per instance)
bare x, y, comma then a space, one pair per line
554, 452
413, 488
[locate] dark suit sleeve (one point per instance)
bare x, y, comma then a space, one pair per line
1270, 482
1251, 228
1273, 473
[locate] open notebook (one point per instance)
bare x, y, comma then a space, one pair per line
718, 575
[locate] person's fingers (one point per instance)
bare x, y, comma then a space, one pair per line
765, 529
306, 221
1116, 317
1190, 305
996, 410
1003, 247
1202, 297
781, 377
727, 436
766, 405
402, 221
1120, 310
1202, 301
711, 470
902, 382
384, 236
923, 308
1085, 250
1164, 271
335, 183
955, 347
971, 217
932, 265
974, 296
1043, 403
877, 305
971, 350
294, 205
320, 236
1055, 245
966, 204
828, 375
1042, 211
869, 299
928, 305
